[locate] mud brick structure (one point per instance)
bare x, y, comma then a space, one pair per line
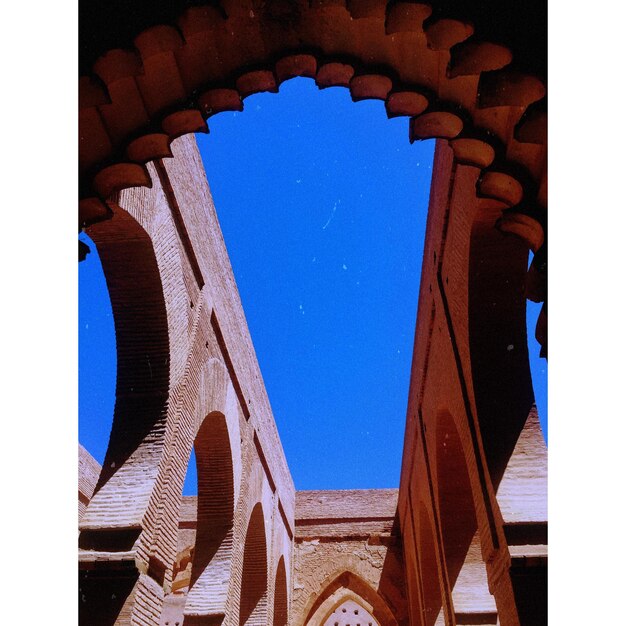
464, 538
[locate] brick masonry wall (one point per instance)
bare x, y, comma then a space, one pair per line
347, 546
185, 356
212, 383
470, 395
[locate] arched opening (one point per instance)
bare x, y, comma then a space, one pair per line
209, 571
423, 67
142, 378
112, 522
411, 565
429, 571
97, 354
281, 595
536, 324
253, 603
322, 203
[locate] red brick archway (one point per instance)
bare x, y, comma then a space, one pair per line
212, 560
490, 176
434, 72
142, 341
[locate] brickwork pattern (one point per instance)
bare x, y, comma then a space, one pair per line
185, 354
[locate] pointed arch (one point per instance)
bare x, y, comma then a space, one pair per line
348, 585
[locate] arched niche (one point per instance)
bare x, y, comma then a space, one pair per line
348, 586
97, 355
212, 552
281, 595
253, 601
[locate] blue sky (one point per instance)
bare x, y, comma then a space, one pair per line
322, 203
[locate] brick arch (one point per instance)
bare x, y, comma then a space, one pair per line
142, 384
211, 57
455, 501
209, 422
253, 601
434, 69
343, 586
281, 595
429, 569
212, 555
114, 524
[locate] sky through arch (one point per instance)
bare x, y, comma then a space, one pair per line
322, 203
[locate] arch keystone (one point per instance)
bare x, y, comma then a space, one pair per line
296, 65
334, 75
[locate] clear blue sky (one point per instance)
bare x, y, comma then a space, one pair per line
322, 203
